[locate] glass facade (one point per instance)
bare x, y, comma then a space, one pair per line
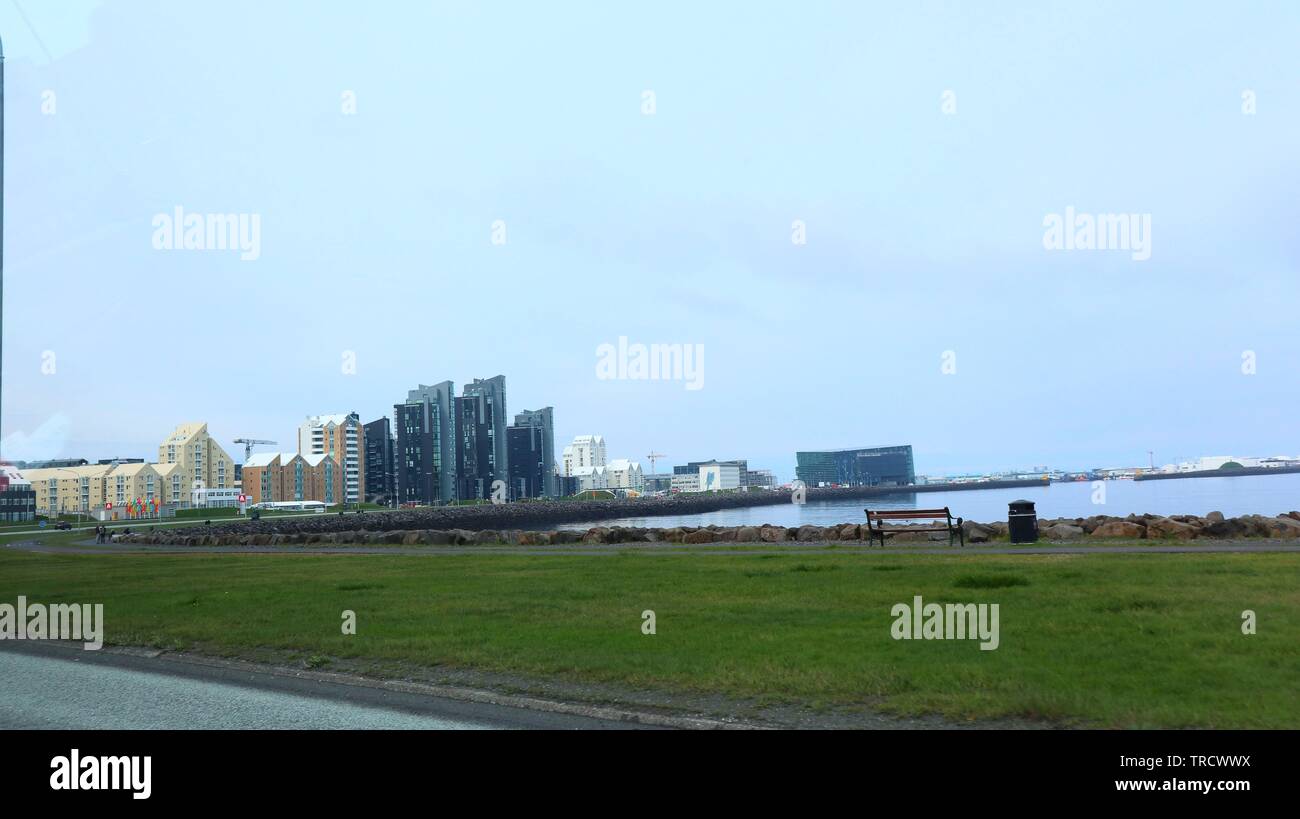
874, 466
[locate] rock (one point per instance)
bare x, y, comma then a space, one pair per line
1061, 531
772, 534
849, 531
1214, 517
808, 533
1228, 529
435, 537
487, 536
1120, 528
1285, 527
976, 532
700, 536
1170, 528
747, 534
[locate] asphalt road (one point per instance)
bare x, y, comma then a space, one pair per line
51, 686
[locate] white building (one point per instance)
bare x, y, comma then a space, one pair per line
585, 451
624, 474
591, 477
717, 477
341, 436
689, 482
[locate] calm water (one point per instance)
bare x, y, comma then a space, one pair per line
1257, 494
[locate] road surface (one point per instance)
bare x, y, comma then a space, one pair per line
51, 686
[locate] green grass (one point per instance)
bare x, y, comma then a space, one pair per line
1107, 639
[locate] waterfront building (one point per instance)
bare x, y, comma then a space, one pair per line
867, 466
586, 450
759, 479
622, 473
482, 449
537, 447
685, 482
342, 437
426, 445
271, 477
17, 497
719, 477
379, 464
202, 460
657, 482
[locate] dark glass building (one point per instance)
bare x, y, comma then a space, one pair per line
482, 453
531, 445
873, 466
379, 462
426, 445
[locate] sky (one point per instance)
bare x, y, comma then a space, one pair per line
842, 205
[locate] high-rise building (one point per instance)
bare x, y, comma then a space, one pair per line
869, 466
340, 436
203, 463
482, 455
426, 445
380, 466
586, 450
531, 444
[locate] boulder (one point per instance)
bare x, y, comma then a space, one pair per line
747, 534
411, 538
808, 533
849, 531
1126, 529
700, 536
1214, 517
1228, 528
1061, 531
487, 536
976, 532
772, 534
1170, 528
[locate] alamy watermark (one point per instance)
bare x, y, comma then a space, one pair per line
57, 621
954, 621
651, 362
1102, 231
179, 230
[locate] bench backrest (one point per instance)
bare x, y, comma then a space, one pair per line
909, 514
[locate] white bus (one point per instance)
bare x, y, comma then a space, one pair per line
317, 507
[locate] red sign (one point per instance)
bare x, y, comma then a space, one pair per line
108, 505
243, 498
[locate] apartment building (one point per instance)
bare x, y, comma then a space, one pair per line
290, 476
586, 450
341, 436
202, 461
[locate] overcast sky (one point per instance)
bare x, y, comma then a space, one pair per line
920, 146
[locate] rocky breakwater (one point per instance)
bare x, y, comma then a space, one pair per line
1098, 527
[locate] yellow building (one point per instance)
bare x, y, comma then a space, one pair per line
202, 461
68, 489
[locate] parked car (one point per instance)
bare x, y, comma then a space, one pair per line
63, 524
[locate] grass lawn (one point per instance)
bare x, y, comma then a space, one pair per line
1111, 639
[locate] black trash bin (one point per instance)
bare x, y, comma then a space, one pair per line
1022, 521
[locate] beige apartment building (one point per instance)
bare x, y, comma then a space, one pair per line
65, 490
68, 489
201, 459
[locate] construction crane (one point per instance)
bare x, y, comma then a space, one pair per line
654, 456
249, 443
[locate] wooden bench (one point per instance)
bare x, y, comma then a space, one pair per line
942, 517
